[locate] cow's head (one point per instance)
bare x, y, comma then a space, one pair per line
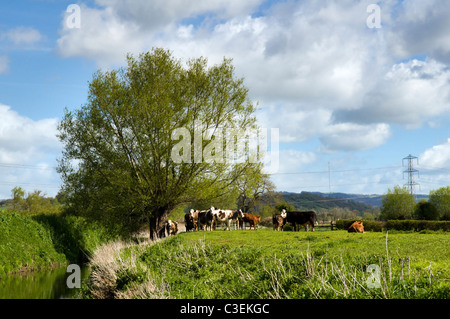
283, 213
191, 212
238, 214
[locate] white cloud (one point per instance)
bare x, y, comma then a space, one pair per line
27, 153
315, 67
119, 27
437, 157
354, 137
23, 36
422, 28
292, 161
24, 141
410, 94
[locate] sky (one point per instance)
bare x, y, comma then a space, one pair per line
351, 88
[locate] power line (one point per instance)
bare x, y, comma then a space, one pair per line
336, 171
26, 166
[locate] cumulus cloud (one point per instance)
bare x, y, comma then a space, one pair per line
115, 28
24, 141
27, 153
354, 137
23, 36
315, 67
422, 28
437, 157
410, 94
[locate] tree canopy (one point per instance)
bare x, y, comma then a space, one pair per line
143, 142
397, 204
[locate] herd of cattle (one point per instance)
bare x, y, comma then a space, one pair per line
197, 220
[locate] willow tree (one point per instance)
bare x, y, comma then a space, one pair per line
121, 157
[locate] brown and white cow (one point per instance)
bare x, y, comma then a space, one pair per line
278, 222
225, 216
194, 214
172, 227
300, 218
252, 219
205, 218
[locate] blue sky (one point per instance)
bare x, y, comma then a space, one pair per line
345, 97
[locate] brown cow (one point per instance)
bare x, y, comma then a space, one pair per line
356, 227
253, 220
278, 222
172, 227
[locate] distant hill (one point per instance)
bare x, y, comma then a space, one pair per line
319, 201
373, 200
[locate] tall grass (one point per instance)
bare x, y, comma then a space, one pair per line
189, 266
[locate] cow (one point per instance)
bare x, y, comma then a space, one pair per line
356, 227
225, 216
189, 222
278, 222
205, 219
194, 214
300, 218
252, 219
172, 227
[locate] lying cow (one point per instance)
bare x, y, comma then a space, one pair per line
252, 219
172, 227
278, 222
225, 216
300, 218
189, 222
205, 219
356, 227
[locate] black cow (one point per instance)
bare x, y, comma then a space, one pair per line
205, 218
189, 222
300, 218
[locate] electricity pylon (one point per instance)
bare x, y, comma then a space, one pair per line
411, 171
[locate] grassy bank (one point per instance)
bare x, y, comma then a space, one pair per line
28, 243
267, 264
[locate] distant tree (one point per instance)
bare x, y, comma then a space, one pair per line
397, 204
426, 211
18, 198
251, 186
368, 216
34, 203
440, 198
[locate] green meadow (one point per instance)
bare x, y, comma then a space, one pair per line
267, 264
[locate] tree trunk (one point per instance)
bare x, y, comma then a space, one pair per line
157, 223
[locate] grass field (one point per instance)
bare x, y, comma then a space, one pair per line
268, 264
